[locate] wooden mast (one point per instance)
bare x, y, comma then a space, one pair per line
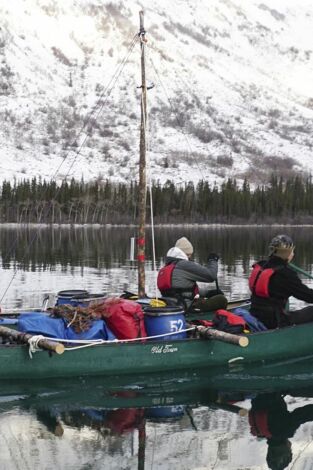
142, 193
142, 444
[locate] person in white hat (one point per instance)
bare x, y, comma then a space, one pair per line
179, 277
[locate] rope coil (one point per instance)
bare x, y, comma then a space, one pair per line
33, 344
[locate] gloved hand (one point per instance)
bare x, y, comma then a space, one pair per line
213, 257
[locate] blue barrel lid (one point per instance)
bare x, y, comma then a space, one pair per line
69, 294
162, 311
88, 298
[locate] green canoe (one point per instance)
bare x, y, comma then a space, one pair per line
148, 357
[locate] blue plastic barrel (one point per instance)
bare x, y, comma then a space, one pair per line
165, 412
69, 297
159, 320
85, 300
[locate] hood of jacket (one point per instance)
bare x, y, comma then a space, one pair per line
176, 253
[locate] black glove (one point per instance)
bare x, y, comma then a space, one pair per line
213, 257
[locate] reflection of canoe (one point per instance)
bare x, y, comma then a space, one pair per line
156, 356
114, 408
161, 390
99, 394
99, 413
179, 385
292, 377
122, 404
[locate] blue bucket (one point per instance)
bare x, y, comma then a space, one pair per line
159, 320
71, 297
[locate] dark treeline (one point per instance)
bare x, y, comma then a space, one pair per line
284, 201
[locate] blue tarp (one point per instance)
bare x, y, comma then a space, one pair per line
8, 321
40, 323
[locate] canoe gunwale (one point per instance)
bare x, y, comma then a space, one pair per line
144, 341
147, 357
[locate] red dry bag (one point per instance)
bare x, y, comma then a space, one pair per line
124, 317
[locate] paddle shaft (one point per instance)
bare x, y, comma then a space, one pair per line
25, 337
232, 408
237, 303
301, 271
18, 311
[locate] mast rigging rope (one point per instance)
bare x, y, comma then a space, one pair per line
112, 82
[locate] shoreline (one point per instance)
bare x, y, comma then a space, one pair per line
12, 225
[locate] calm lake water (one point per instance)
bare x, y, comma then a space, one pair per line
178, 422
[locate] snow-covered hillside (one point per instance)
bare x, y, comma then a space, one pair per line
232, 89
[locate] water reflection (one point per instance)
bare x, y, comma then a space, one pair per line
270, 418
166, 422
32, 248
36, 261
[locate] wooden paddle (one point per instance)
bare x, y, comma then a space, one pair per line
212, 333
301, 271
237, 303
25, 337
232, 408
18, 311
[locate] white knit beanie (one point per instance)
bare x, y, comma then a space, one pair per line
185, 245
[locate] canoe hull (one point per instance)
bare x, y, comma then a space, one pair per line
148, 357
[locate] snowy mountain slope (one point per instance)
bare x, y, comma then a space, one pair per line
232, 89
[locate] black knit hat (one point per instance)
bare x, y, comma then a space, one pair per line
279, 454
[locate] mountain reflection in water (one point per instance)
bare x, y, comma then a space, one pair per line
162, 421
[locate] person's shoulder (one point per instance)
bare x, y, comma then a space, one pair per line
286, 271
260, 262
291, 271
188, 264
277, 263
185, 262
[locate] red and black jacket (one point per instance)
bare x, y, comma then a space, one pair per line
272, 282
259, 426
164, 280
165, 284
259, 280
269, 417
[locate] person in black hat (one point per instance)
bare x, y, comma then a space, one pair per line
272, 282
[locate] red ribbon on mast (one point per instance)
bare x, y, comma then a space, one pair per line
141, 244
